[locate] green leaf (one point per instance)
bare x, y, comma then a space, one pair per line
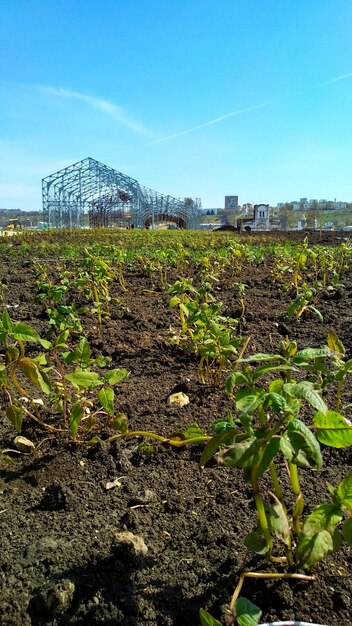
146, 448
270, 451
236, 378
260, 356
333, 429
15, 415
43, 342
255, 541
300, 447
75, 419
116, 376
247, 613
64, 310
192, 431
348, 366
206, 619
102, 361
214, 444
264, 369
319, 536
309, 354
31, 370
276, 400
175, 300
61, 339
276, 386
305, 390
241, 454
220, 425
279, 522
183, 308
84, 379
294, 306
344, 492
347, 531
22, 332
6, 322
323, 517
316, 311
82, 352
335, 344
119, 423
106, 399
247, 401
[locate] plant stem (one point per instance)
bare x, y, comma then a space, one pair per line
299, 502
259, 503
275, 481
178, 443
269, 575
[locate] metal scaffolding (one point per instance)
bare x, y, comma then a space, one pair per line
110, 198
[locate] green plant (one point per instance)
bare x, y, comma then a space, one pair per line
61, 315
268, 428
240, 288
17, 369
83, 397
204, 331
302, 303
80, 397
94, 280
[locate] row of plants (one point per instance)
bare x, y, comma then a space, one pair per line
270, 434
267, 428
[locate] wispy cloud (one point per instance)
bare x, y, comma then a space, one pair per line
216, 120
337, 78
107, 107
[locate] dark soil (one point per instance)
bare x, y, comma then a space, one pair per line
66, 557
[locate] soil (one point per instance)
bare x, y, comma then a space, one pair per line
168, 538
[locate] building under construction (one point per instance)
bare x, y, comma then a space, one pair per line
110, 199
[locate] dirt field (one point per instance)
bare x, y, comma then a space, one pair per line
63, 557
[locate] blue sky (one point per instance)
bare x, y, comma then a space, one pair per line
201, 98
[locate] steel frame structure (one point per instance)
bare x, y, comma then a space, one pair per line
110, 198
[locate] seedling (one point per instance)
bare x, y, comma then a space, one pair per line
18, 366
204, 331
61, 315
268, 427
94, 280
302, 303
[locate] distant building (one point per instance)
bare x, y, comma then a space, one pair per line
259, 220
231, 203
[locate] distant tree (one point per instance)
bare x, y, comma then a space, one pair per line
312, 214
285, 215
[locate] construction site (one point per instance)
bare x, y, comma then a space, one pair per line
111, 199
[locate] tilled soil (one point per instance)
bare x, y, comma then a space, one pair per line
168, 538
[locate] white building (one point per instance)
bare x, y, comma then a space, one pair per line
259, 221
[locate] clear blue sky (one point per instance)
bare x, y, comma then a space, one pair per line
201, 98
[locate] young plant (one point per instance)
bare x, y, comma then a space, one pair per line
302, 303
81, 397
94, 280
17, 368
61, 315
84, 396
268, 428
204, 331
240, 288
